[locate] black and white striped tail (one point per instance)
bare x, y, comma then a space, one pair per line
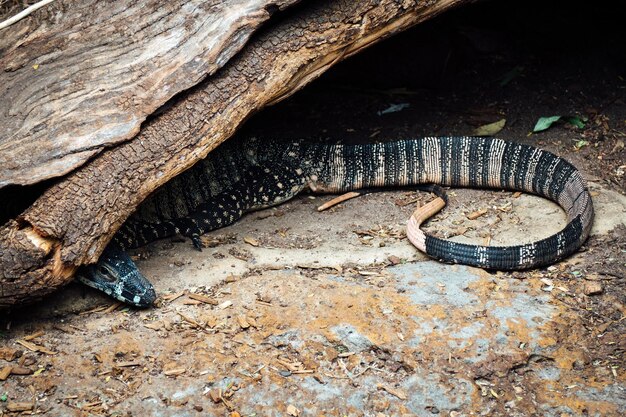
468, 162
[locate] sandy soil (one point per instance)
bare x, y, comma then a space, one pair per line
294, 312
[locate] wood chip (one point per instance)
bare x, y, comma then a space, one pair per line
289, 366
189, 319
337, 200
293, 411
34, 347
5, 372
225, 305
252, 322
174, 372
172, 297
593, 288
34, 335
64, 328
128, 364
476, 214
9, 354
243, 322
203, 299
303, 371
230, 278
251, 241
517, 194
216, 395
17, 407
393, 391
91, 404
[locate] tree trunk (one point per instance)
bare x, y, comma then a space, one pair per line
73, 221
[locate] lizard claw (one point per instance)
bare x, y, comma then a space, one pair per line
192, 231
197, 243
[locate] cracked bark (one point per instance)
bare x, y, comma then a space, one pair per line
73, 221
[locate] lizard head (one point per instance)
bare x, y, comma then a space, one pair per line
117, 275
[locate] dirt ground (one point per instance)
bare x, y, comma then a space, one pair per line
295, 312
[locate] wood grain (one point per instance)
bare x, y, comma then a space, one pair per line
77, 77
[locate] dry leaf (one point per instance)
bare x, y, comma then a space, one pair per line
490, 129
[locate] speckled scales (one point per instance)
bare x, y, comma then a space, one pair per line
249, 175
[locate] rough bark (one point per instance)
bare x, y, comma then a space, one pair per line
72, 222
80, 76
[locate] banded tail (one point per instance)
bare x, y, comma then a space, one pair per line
475, 162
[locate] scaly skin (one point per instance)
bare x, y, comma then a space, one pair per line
241, 177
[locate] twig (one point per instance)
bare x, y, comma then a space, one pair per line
337, 200
23, 13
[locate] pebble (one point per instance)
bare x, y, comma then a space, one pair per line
593, 288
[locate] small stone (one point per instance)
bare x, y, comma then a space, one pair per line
592, 288
293, 411
394, 260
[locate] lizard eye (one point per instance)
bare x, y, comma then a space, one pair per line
106, 274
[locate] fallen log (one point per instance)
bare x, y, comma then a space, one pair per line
82, 76
71, 223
